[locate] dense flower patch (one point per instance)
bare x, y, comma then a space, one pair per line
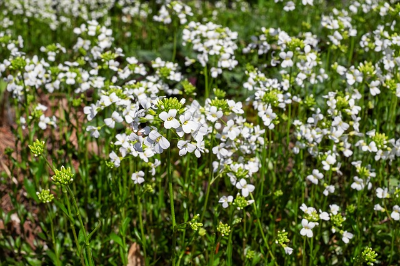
200, 132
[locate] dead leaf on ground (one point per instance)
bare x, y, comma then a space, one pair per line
134, 256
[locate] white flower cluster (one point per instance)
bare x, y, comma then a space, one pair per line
57, 13
312, 219
175, 8
214, 44
340, 24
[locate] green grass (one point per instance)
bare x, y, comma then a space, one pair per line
257, 132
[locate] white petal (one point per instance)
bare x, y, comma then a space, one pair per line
164, 143
163, 116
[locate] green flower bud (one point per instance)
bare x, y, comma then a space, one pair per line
45, 196
224, 229
194, 224
37, 148
64, 176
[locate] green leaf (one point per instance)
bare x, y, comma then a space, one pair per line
125, 224
116, 238
81, 237
216, 262
52, 255
137, 235
154, 263
33, 262
30, 189
91, 234
62, 207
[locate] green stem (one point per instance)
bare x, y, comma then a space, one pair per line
74, 231
290, 108
213, 251
206, 82
262, 231
171, 199
141, 228
229, 248
264, 166
392, 248
174, 51
210, 169
311, 251
351, 50
304, 252
53, 238
87, 241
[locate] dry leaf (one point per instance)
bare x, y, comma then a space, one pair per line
134, 256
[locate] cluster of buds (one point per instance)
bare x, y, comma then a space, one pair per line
37, 148
224, 229
45, 196
64, 176
194, 224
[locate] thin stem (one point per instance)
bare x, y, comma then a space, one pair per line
52, 237
214, 250
392, 247
262, 231
290, 107
210, 176
74, 232
171, 199
141, 228
229, 248
205, 72
311, 251
87, 241
174, 50
304, 252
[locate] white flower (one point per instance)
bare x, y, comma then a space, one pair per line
159, 141
396, 213
115, 117
90, 111
246, 188
324, 216
288, 250
334, 209
290, 6
307, 210
215, 72
169, 119
382, 193
70, 78
373, 87
185, 146
188, 125
330, 160
138, 177
214, 114
94, 132
371, 147
340, 124
358, 183
328, 189
347, 236
225, 201
115, 159
315, 176
307, 226
287, 59
43, 122
378, 208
